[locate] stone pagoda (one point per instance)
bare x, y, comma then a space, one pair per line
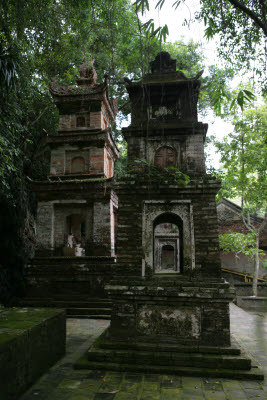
77, 207
170, 308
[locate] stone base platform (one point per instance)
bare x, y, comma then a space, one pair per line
174, 309
170, 325
202, 361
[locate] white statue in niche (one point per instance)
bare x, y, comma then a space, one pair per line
78, 250
70, 240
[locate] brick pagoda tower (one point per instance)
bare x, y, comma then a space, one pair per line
170, 305
77, 208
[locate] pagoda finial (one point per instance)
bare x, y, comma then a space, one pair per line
163, 63
88, 74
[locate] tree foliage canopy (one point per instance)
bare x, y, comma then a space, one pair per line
244, 157
39, 40
240, 243
244, 175
241, 26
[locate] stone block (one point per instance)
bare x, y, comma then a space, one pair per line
169, 321
31, 341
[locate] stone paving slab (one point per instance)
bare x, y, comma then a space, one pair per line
64, 383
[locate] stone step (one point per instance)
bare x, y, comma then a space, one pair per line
66, 296
66, 303
233, 350
197, 360
88, 311
95, 308
84, 316
254, 374
82, 304
68, 259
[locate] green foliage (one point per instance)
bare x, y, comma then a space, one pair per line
160, 32
141, 5
244, 96
244, 157
241, 27
152, 174
240, 243
242, 30
121, 162
189, 56
8, 68
39, 40
215, 92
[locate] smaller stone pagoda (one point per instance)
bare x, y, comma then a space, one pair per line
76, 206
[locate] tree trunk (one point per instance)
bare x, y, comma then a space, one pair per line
256, 268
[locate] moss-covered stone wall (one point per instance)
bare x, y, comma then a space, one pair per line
31, 341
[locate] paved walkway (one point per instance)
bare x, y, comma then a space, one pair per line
64, 383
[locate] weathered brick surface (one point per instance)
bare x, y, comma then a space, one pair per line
95, 202
194, 155
94, 119
191, 305
45, 225
69, 121
189, 312
189, 149
71, 154
97, 160
202, 196
80, 276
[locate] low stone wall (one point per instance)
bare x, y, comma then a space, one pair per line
252, 303
245, 289
31, 341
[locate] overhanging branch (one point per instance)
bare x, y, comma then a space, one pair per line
247, 223
240, 6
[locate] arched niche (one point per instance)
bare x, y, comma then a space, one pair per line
168, 244
177, 212
80, 121
165, 157
77, 165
